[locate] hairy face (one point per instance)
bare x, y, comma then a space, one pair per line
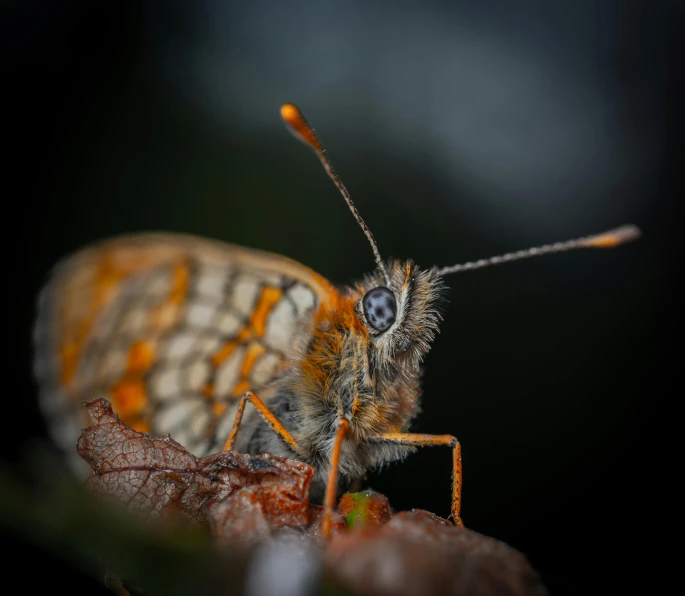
401, 319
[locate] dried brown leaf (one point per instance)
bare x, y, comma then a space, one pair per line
252, 513
315, 529
157, 477
417, 553
252, 499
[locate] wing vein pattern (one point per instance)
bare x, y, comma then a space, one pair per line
172, 329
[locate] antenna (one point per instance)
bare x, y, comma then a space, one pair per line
607, 239
304, 131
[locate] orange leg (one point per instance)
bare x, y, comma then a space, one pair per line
331, 487
267, 416
429, 441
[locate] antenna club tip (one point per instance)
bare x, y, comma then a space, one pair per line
615, 237
290, 112
629, 232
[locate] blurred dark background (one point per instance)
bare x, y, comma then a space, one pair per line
463, 130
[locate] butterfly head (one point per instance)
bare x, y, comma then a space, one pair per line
402, 316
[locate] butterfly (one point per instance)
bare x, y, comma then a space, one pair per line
180, 333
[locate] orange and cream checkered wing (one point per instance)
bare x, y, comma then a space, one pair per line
172, 329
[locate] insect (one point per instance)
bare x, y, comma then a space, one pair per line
181, 333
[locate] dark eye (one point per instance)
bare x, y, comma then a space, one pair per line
380, 308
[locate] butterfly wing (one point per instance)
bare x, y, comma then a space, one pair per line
172, 329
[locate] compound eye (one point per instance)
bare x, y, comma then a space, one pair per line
380, 308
